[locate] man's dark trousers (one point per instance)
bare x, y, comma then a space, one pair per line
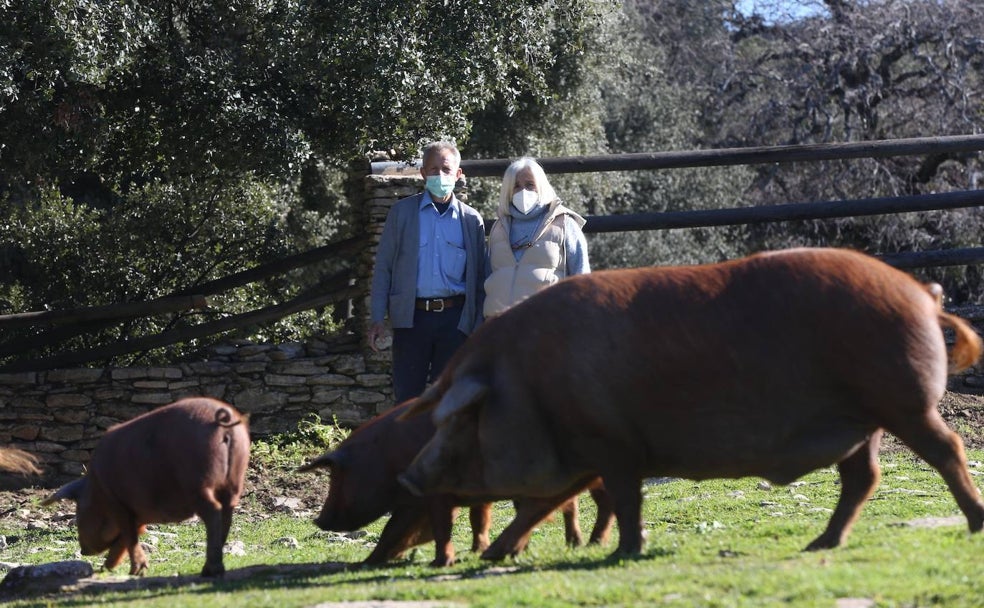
421, 352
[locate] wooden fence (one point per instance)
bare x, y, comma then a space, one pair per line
345, 284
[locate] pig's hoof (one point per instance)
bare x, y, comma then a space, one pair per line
616, 557
442, 562
823, 542
211, 571
496, 554
975, 519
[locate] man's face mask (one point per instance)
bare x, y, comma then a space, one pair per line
440, 186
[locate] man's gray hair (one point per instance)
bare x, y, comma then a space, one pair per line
439, 146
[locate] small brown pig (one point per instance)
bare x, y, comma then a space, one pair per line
183, 459
364, 487
13, 460
770, 366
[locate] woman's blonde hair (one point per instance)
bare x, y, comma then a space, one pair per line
543, 187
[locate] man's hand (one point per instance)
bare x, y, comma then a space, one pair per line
376, 331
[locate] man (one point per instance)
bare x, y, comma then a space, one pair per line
428, 274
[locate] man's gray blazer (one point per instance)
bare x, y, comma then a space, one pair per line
394, 277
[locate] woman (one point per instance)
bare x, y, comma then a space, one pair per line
535, 240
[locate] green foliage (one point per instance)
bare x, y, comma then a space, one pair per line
107, 104
650, 107
148, 146
292, 449
62, 254
566, 117
158, 88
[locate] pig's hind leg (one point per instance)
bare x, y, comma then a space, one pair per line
572, 528
934, 442
859, 475
217, 518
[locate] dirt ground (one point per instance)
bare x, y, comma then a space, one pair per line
284, 490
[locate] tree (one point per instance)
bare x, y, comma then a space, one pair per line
806, 71
668, 50
243, 112
858, 71
565, 117
159, 88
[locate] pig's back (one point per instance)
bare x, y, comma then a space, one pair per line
728, 367
159, 463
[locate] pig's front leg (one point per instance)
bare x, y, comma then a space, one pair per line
442, 513
131, 540
480, 517
115, 555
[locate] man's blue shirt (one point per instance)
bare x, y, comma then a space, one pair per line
441, 263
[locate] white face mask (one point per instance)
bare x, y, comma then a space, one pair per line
525, 200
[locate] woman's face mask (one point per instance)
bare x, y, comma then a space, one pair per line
525, 200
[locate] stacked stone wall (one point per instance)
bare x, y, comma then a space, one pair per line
59, 415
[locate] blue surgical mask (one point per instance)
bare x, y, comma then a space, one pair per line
440, 186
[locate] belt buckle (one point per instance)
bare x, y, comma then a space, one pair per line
429, 302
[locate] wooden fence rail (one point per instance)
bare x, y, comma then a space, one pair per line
917, 146
336, 289
101, 313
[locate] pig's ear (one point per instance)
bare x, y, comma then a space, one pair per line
424, 403
327, 459
464, 393
69, 491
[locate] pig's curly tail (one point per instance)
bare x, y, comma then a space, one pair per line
223, 418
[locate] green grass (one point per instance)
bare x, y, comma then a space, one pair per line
713, 543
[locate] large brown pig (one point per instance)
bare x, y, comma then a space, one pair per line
771, 366
183, 459
364, 487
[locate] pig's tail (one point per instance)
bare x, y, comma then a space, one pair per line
223, 417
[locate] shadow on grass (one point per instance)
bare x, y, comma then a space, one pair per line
262, 575
295, 576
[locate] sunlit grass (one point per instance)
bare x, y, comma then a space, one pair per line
713, 543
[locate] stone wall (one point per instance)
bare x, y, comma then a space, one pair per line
59, 415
